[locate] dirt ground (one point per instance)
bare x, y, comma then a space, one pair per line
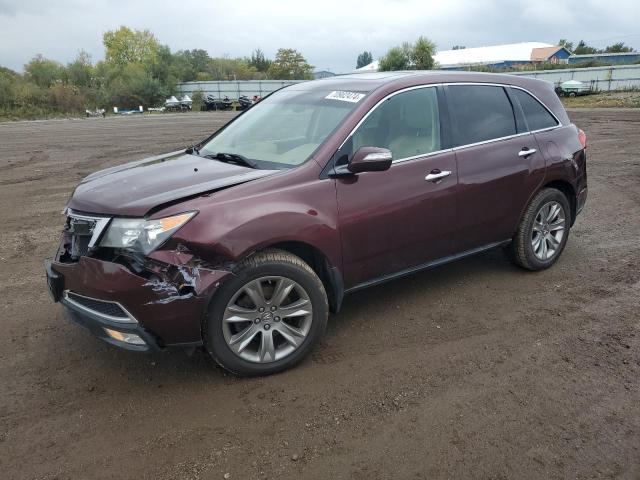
473, 370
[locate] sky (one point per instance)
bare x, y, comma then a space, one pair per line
329, 33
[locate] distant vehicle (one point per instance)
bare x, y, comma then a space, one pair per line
225, 104
243, 243
98, 112
573, 88
172, 104
132, 111
186, 102
244, 102
211, 102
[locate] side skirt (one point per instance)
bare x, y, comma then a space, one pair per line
425, 266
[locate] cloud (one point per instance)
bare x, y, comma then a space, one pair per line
330, 33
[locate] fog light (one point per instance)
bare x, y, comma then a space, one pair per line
131, 338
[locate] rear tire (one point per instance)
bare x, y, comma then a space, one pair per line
268, 317
543, 231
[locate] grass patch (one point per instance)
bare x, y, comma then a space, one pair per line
629, 99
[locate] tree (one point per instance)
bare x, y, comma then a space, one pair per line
583, 49
422, 54
44, 72
80, 71
225, 68
364, 59
289, 64
416, 56
124, 46
563, 42
619, 47
397, 58
258, 61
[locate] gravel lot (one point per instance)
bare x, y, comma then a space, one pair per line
473, 370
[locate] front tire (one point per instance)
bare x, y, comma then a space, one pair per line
543, 231
268, 317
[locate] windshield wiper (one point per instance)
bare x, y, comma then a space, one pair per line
233, 158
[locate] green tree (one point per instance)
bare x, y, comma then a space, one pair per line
289, 64
397, 58
422, 53
44, 72
131, 85
619, 47
563, 42
124, 46
225, 68
410, 56
583, 49
364, 59
259, 61
80, 71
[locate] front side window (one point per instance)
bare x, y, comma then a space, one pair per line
407, 123
284, 129
480, 113
538, 117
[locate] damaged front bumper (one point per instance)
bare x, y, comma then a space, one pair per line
156, 306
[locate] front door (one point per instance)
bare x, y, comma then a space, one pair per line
394, 220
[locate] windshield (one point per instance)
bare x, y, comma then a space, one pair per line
284, 129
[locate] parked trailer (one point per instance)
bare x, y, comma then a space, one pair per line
573, 88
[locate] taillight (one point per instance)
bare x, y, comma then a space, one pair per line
582, 137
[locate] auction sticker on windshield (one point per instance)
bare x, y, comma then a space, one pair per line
353, 97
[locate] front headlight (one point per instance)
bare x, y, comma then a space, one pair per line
140, 235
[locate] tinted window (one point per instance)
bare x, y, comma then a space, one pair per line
538, 117
408, 124
480, 113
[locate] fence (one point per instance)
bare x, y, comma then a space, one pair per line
235, 88
598, 78
619, 77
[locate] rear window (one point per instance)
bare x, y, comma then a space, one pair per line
538, 117
480, 113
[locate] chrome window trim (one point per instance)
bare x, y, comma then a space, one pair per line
111, 318
453, 149
100, 224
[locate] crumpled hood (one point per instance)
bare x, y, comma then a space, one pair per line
135, 188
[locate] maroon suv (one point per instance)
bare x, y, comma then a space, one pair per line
243, 243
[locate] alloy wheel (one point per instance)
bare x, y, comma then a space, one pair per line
548, 230
267, 319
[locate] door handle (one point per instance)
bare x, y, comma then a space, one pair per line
436, 175
525, 152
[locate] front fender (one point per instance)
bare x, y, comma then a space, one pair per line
235, 222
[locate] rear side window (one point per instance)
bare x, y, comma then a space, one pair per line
538, 117
480, 113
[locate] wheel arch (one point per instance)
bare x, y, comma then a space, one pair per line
567, 189
560, 184
329, 274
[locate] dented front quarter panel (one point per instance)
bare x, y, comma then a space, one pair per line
294, 206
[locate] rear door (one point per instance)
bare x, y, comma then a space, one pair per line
499, 165
393, 220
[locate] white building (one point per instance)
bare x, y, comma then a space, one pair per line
496, 56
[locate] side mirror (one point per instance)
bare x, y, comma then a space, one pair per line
370, 159
366, 159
